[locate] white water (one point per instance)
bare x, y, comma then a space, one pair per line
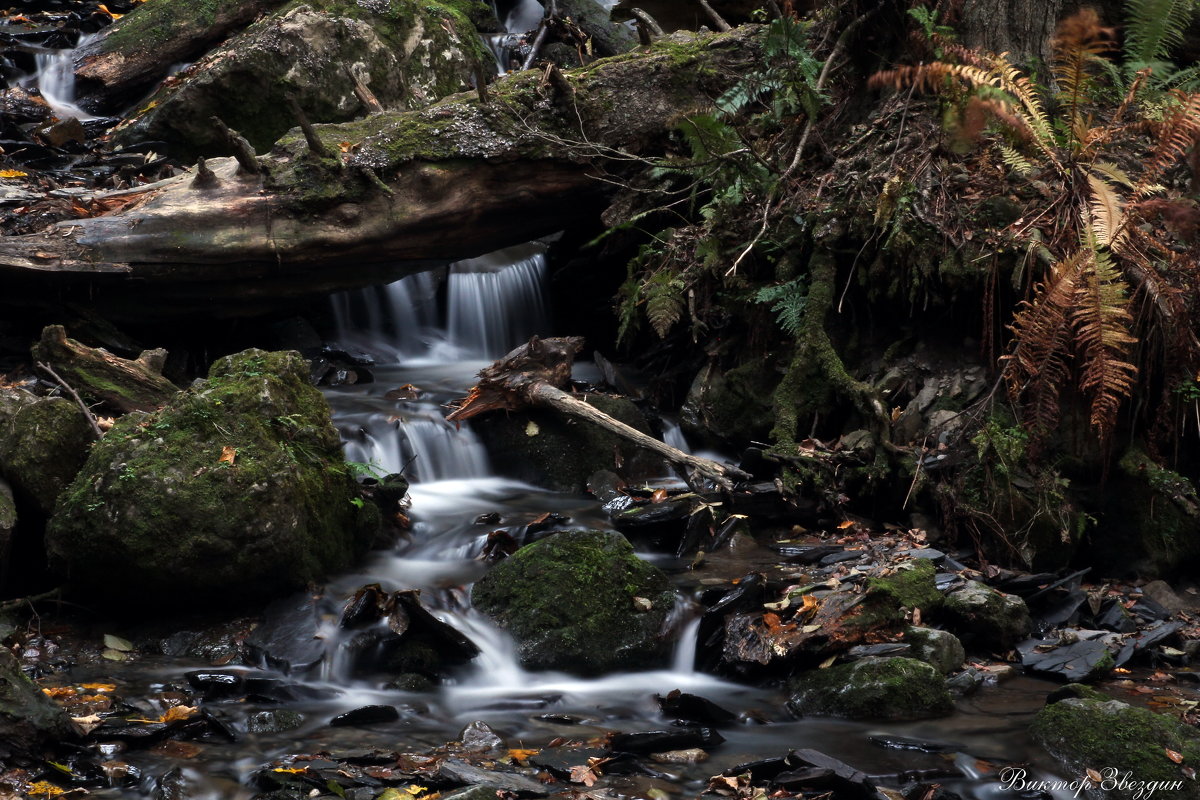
55, 79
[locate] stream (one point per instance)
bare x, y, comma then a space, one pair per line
431, 333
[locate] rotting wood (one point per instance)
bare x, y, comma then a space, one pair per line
123, 384
87, 412
534, 374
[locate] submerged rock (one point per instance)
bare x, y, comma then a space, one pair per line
985, 618
43, 445
872, 688
236, 489
1130, 747
569, 601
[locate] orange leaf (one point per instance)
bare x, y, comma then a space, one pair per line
99, 687
228, 454
59, 691
176, 713
658, 496
583, 774
520, 756
847, 524
1174, 755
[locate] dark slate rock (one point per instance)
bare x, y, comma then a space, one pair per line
366, 715
458, 771
662, 741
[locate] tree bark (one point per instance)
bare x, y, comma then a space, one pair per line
122, 384
1021, 28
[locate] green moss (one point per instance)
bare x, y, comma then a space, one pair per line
1093, 734
568, 600
912, 586
159, 508
42, 448
151, 24
873, 688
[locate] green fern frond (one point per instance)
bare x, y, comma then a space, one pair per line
1014, 160
664, 301
787, 301
1154, 27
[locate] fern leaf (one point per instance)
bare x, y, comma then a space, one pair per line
1174, 137
1104, 214
1078, 43
1014, 160
664, 301
1154, 27
1101, 320
1113, 173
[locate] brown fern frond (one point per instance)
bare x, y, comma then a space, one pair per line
1103, 214
1037, 368
1079, 40
1135, 86
1101, 320
1174, 136
1009, 78
931, 77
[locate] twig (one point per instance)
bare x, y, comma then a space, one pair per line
242, 151
14, 604
310, 136
716, 18
543, 30
87, 412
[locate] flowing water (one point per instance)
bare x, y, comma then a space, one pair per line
434, 331
55, 79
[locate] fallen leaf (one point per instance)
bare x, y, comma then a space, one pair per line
1174, 755
87, 724
177, 713
114, 655
44, 789
99, 687
521, 756
847, 524
291, 770
13, 173
642, 604
117, 643
228, 454
1094, 776
583, 774
659, 496
59, 691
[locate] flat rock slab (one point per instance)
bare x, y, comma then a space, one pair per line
459, 771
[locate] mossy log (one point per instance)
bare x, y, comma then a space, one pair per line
122, 384
534, 374
517, 167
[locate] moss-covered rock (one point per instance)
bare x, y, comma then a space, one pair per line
28, 719
237, 489
940, 649
1126, 745
551, 450
42, 446
985, 618
732, 407
912, 586
406, 53
872, 688
569, 601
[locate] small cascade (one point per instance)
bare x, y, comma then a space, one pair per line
490, 304
55, 80
673, 435
495, 303
518, 18
422, 445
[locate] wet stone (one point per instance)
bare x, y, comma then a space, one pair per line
477, 737
217, 685
366, 715
692, 755
693, 708
559, 760
661, 741
1082, 660
275, 720
459, 771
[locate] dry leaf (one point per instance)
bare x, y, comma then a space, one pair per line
1174, 755
44, 789
847, 524
99, 687
13, 173
59, 691
659, 496
87, 724
177, 713
117, 643
1094, 776
583, 774
228, 454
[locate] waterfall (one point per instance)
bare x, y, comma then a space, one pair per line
495, 303
55, 79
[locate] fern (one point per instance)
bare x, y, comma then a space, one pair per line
1101, 321
1175, 136
787, 301
664, 301
1153, 28
1014, 160
1103, 215
1112, 172
1078, 44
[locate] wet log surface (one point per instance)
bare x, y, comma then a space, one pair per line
526, 164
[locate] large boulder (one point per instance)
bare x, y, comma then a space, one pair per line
985, 618
235, 489
582, 602
329, 56
1129, 747
43, 444
872, 688
28, 719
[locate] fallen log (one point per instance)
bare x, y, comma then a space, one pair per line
534, 374
123, 384
510, 170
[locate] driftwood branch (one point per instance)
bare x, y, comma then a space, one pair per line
241, 150
540, 39
716, 18
533, 374
310, 136
123, 384
87, 412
